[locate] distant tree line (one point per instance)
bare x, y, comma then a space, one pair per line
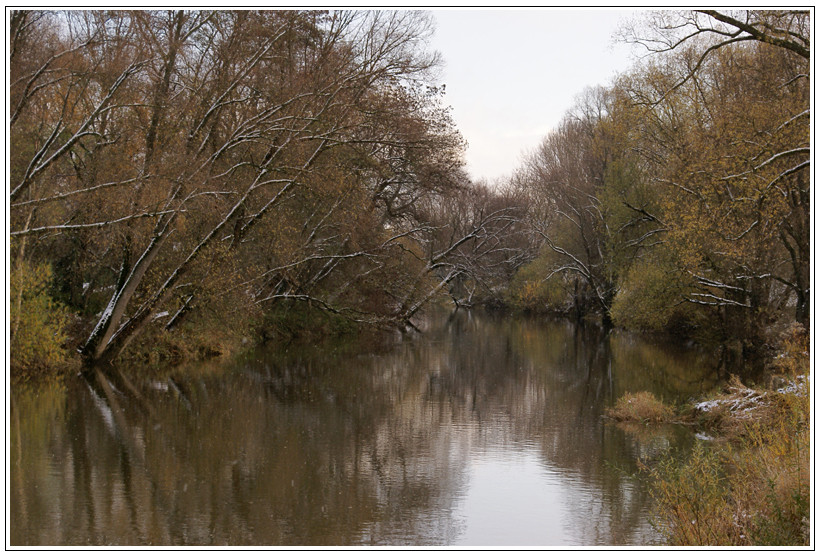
678, 198
220, 174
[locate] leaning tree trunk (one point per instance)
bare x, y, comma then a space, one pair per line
98, 342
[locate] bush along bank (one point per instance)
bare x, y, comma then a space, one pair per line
753, 487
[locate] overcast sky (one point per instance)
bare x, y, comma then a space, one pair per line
511, 75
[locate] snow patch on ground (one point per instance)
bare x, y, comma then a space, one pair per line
708, 405
794, 387
741, 400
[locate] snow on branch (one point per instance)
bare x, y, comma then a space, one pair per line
60, 227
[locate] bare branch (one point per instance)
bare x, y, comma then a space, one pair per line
62, 227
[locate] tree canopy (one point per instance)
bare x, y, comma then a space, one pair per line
173, 171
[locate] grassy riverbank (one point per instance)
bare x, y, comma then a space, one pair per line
748, 482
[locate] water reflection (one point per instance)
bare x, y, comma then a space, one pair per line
481, 431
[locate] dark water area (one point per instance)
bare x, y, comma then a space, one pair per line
482, 430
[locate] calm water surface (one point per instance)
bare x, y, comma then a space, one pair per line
482, 431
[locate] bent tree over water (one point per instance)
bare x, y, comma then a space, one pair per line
185, 184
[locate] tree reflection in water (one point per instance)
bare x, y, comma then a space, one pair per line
482, 430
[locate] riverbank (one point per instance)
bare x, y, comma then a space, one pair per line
48, 336
747, 482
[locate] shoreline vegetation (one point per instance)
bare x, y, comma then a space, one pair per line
746, 482
751, 485
185, 185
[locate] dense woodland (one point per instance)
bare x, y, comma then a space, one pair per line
183, 182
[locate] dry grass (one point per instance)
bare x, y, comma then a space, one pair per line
755, 489
740, 409
752, 492
643, 407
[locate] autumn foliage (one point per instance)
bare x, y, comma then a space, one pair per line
677, 198
181, 169
38, 324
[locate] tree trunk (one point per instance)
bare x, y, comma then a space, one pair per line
98, 342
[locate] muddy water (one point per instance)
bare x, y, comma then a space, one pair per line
482, 431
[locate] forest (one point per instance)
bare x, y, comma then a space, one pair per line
185, 183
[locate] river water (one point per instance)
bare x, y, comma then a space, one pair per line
482, 430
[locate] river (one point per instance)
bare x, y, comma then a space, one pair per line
482, 430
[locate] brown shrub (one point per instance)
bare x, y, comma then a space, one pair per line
643, 406
754, 490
